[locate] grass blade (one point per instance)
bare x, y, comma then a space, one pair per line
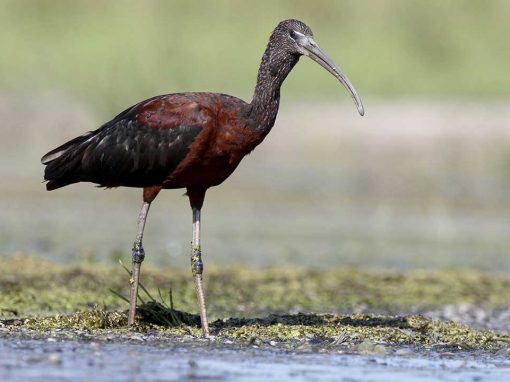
118, 295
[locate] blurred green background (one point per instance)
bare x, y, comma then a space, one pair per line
113, 53
421, 181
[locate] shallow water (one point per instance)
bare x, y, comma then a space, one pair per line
409, 185
51, 359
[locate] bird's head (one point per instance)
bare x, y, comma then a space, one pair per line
296, 38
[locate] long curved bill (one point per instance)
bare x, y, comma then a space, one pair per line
312, 50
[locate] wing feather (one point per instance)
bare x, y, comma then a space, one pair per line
140, 147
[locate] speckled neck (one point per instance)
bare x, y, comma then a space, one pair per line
275, 66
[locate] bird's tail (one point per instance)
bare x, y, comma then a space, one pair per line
63, 164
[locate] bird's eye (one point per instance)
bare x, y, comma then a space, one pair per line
293, 34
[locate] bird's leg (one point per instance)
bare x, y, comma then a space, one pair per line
197, 267
138, 256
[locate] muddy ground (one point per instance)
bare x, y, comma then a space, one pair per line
296, 310
64, 322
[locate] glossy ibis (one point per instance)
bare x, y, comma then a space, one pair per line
186, 140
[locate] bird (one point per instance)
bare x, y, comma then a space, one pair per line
191, 140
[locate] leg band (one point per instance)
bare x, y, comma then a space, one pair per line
138, 252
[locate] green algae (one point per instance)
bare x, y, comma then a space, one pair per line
76, 298
361, 333
32, 286
357, 328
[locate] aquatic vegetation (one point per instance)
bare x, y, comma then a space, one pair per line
41, 298
361, 333
33, 286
